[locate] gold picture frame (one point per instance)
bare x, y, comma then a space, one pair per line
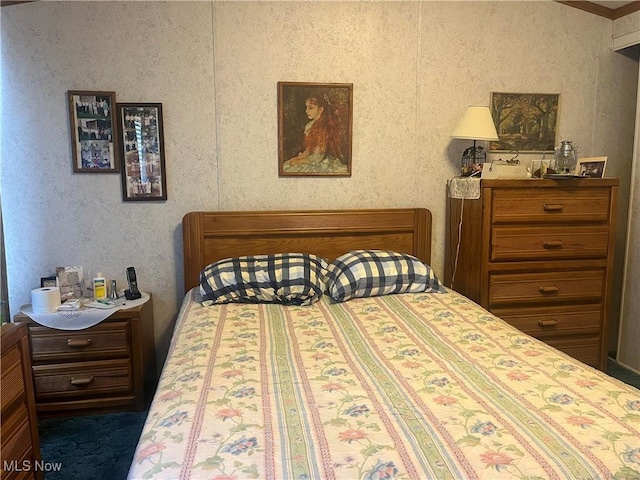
314, 129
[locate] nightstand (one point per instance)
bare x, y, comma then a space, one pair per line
538, 254
109, 367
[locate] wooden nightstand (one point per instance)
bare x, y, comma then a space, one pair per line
20, 441
109, 367
539, 254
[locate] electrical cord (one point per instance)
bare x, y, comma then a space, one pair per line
459, 239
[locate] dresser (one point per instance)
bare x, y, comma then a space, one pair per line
109, 367
19, 436
538, 253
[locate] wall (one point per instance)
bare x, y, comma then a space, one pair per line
415, 67
628, 351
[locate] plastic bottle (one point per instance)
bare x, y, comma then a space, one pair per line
99, 287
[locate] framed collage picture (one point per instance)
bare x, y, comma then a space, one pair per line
142, 149
93, 137
314, 129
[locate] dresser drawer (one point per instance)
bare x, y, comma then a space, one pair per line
99, 342
16, 438
546, 288
549, 243
82, 379
535, 205
13, 386
554, 321
587, 349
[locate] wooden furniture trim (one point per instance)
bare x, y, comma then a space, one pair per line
17, 335
212, 236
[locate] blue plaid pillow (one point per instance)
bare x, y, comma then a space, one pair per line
287, 278
369, 273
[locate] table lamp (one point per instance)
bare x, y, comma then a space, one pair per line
476, 124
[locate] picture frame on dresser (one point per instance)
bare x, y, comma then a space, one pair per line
314, 129
143, 175
94, 140
592, 167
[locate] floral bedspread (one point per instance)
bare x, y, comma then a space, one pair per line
405, 386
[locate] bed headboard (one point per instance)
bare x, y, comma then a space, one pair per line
212, 236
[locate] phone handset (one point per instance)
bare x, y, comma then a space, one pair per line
132, 293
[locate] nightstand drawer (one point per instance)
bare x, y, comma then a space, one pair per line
534, 205
554, 321
99, 342
546, 288
82, 379
549, 243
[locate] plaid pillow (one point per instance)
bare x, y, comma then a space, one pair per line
369, 273
287, 278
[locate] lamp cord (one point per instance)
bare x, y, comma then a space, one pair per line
455, 262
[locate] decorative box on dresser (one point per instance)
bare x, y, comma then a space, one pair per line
19, 436
537, 253
109, 367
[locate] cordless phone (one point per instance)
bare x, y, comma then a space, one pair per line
133, 293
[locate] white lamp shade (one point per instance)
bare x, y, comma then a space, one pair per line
476, 124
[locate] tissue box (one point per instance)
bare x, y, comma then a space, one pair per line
503, 170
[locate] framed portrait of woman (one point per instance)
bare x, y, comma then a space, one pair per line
314, 129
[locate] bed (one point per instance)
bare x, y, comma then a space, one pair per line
380, 385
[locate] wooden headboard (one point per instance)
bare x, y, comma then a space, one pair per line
212, 236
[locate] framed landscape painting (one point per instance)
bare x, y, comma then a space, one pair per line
314, 129
525, 122
93, 137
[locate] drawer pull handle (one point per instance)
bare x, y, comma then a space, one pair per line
78, 343
81, 381
549, 289
552, 207
553, 244
547, 323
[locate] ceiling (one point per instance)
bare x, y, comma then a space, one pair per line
612, 5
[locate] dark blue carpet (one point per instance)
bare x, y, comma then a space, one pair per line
97, 447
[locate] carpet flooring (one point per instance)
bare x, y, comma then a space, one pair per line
96, 447
101, 447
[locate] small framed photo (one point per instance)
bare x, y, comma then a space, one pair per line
48, 281
93, 136
142, 152
591, 167
314, 129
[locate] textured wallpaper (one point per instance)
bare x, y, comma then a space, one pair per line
214, 66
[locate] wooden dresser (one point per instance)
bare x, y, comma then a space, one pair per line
109, 367
538, 254
20, 441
